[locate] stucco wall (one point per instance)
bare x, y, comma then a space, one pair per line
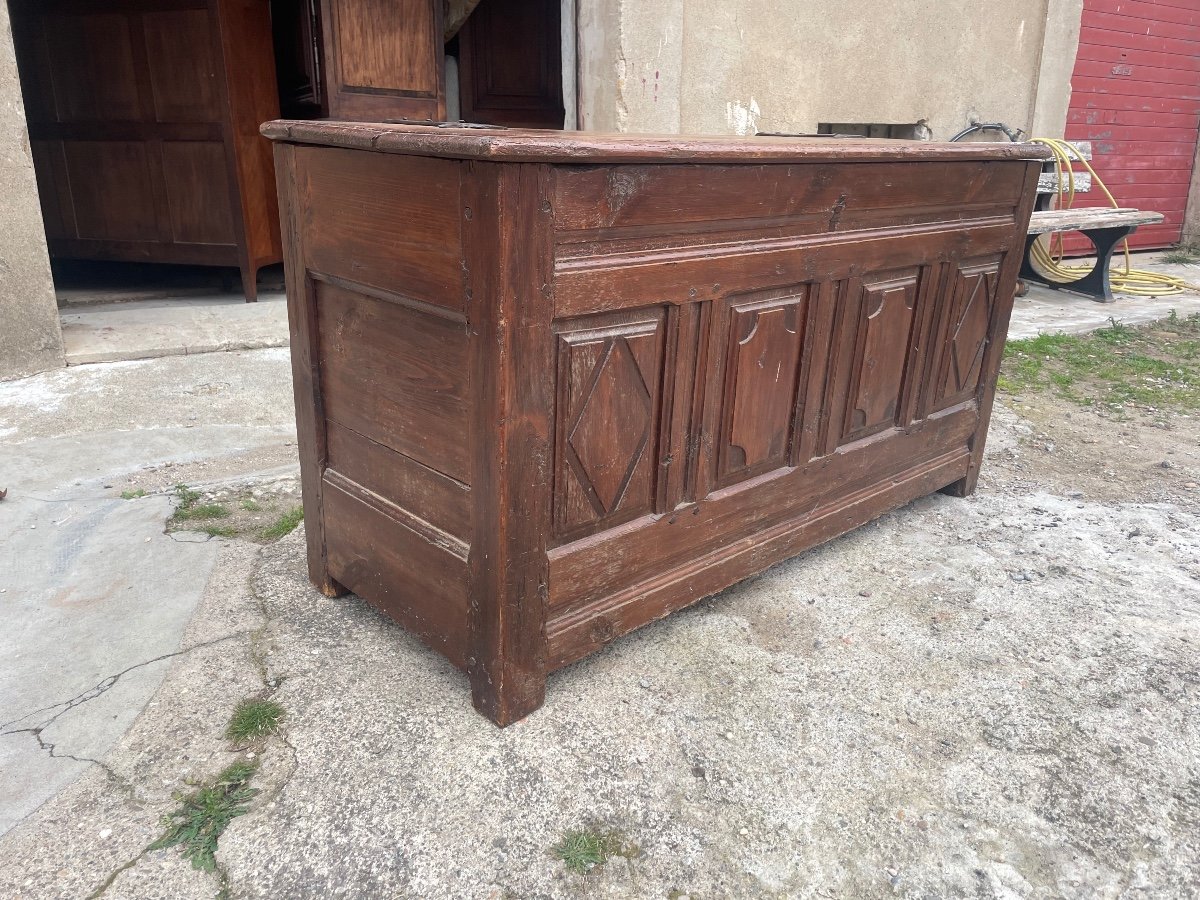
721, 66
30, 335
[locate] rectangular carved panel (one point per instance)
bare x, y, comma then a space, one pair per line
963, 333
609, 390
881, 314
762, 353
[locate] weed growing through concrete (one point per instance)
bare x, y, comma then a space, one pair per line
133, 495
203, 816
286, 524
190, 509
1183, 255
1156, 365
584, 849
254, 719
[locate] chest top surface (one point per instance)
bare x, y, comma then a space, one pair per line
585, 147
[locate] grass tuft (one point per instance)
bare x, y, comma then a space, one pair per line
586, 848
1155, 365
197, 825
225, 531
202, 511
286, 524
582, 851
190, 509
254, 719
1183, 255
133, 495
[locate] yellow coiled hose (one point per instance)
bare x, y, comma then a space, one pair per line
1048, 255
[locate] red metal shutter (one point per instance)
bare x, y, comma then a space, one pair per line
1135, 94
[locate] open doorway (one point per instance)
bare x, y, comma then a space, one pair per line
508, 56
143, 118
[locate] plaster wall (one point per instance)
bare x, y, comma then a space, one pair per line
30, 334
740, 66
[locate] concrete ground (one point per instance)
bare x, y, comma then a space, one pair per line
93, 594
994, 697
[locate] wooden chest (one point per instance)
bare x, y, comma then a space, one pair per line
552, 386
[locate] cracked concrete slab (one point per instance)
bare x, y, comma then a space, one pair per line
81, 634
889, 715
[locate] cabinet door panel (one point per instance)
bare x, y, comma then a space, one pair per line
112, 186
91, 62
510, 64
384, 59
183, 70
194, 174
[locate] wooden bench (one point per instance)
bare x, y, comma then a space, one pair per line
1104, 226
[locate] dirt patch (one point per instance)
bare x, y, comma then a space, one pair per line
262, 513
1111, 416
1054, 444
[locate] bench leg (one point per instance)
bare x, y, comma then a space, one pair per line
1096, 283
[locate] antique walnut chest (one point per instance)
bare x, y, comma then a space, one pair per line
552, 386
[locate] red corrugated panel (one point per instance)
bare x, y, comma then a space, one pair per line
1136, 97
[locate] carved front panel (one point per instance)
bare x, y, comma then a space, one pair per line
969, 301
762, 356
881, 314
609, 391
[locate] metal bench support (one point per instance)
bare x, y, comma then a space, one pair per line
1096, 283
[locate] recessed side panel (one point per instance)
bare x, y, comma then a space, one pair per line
394, 223
419, 582
395, 375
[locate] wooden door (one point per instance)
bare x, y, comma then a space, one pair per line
384, 60
510, 64
1135, 94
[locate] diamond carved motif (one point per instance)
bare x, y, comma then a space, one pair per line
612, 426
969, 336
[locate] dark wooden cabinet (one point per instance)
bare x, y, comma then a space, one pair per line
143, 120
510, 64
552, 387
